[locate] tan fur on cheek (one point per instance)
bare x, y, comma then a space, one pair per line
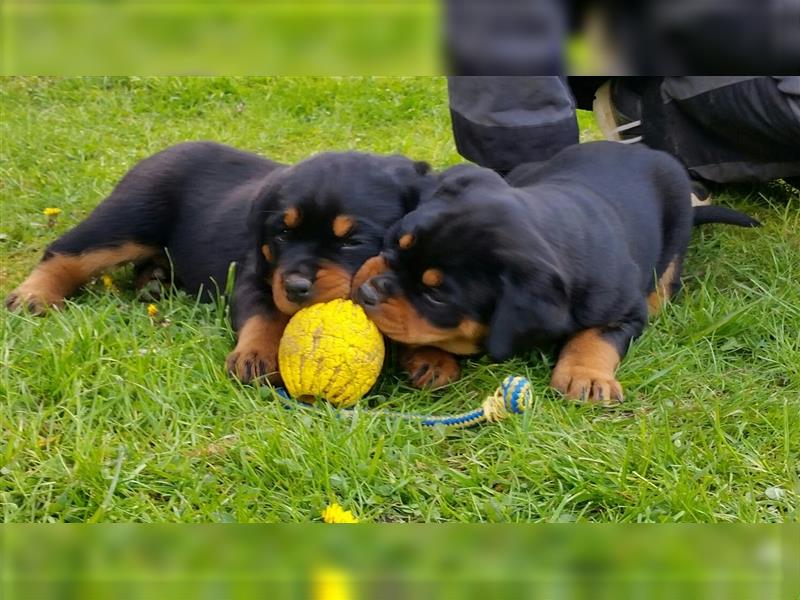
392, 318
468, 341
397, 319
267, 253
332, 282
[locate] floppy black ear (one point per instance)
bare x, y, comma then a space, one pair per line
265, 202
421, 167
531, 308
414, 177
452, 182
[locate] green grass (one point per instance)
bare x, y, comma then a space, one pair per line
107, 415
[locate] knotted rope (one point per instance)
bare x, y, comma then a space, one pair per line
514, 396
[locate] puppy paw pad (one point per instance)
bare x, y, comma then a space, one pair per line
251, 364
430, 367
587, 385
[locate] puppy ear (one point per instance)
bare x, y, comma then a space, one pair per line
265, 202
452, 182
529, 309
414, 178
421, 167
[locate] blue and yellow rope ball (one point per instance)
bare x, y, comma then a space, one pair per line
331, 351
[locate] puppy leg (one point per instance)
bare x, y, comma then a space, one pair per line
131, 225
588, 361
428, 366
152, 278
256, 353
59, 274
258, 324
585, 369
666, 287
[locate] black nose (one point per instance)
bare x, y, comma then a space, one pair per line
383, 285
298, 288
367, 295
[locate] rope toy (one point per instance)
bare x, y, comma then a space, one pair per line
514, 396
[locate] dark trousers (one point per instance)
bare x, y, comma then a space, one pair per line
723, 129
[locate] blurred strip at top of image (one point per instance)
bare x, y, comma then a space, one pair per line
401, 37
622, 37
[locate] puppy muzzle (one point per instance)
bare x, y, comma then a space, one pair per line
374, 291
298, 288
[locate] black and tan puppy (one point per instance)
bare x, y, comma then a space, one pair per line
575, 251
298, 233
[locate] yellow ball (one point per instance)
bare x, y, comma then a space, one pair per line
331, 351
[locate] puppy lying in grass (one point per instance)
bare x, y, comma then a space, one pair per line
577, 251
298, 233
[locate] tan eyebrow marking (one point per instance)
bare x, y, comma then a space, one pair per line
291, 218
342, 225
432, 277
406, 241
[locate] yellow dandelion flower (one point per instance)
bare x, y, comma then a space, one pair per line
51, 212
108, 282
329, 583
336, 514
152, 310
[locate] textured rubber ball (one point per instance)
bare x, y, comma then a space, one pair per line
331, 351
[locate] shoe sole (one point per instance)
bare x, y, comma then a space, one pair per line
697, 201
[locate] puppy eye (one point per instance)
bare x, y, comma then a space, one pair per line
283, 235
350, 243
434, 297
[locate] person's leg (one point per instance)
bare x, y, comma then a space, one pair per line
501, 122
504, 37
727, 129
584, 88
723, 129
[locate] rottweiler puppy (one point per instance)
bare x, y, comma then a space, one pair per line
575, 251
297, 233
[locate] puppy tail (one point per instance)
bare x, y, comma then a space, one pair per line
722, 214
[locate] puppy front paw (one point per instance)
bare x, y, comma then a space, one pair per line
429, 367
587, 384
256, 353
249, 363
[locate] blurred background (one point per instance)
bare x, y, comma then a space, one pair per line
616, 562
393, 37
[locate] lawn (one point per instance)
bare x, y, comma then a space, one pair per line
108, 414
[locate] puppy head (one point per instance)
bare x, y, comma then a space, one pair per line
319, 220
465, 269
